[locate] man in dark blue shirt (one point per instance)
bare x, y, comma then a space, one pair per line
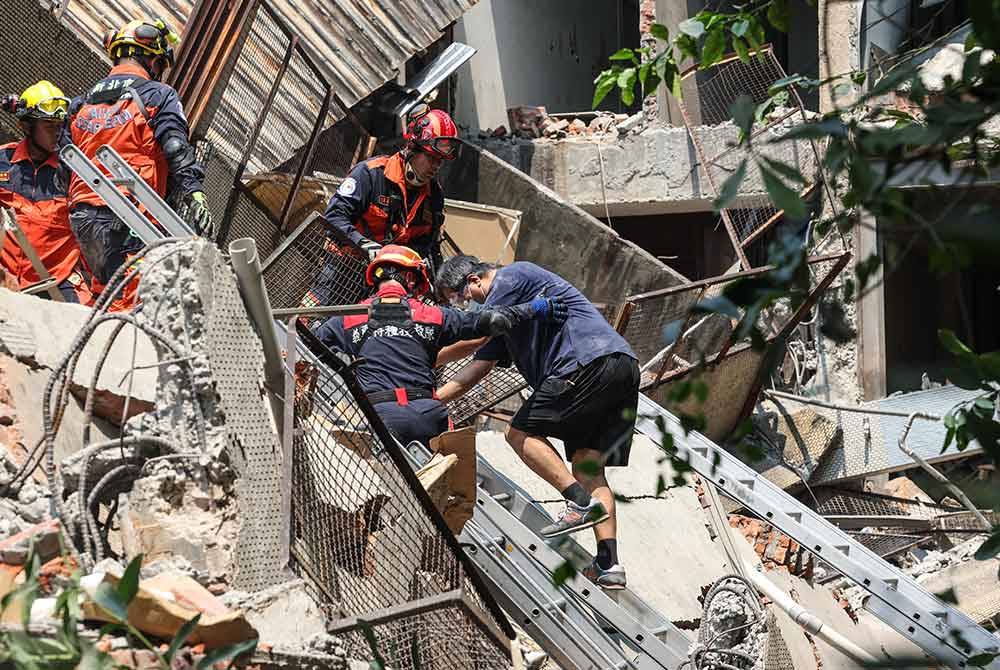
400, 337
586, 388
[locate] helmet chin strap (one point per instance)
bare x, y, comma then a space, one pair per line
412, 178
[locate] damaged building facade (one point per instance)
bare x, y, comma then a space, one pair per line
215, 438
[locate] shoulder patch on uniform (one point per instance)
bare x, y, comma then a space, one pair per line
348, 186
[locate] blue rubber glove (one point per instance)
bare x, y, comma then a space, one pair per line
553, 310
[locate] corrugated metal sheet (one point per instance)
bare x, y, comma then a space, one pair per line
360, 44
871, 442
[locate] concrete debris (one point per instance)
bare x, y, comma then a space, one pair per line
929, 567
174, 514
187, 401
531, 123
903, 487
165, 603
284, 616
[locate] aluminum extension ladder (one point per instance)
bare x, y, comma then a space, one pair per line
122, 175
578, 624
942, 631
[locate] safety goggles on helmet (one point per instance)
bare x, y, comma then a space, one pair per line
432, 131
49, 108
443, 147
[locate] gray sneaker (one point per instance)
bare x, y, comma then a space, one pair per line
574, 518
612, 579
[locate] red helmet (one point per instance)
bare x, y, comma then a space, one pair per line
433, 131
396, 256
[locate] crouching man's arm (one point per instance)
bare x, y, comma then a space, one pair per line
464, 379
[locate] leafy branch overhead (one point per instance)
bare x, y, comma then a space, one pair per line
704, 38
885, 131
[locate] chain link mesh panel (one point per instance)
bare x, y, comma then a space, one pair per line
278, 122
314, 267
365, 533
843, 502
752, 213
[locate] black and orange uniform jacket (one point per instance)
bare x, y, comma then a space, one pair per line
135, 116
375, 202
399, 341
37, 196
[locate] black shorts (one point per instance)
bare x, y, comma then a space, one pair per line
594, 408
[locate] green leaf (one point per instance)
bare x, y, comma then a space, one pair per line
623, 54
563, 573
815, 131
626, 85
223, 654
128, 585
605, 82
951, 342
756, 36
981, 660
778, 16
730, 187
181, 637
740, 47
688, 46
740, 28
985, 15
742, 111
692, 28
787, 171
660, 32
715, 46
719, 304
107, 599
783, 197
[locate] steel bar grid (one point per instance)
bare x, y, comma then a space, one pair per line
366, 535
753, 213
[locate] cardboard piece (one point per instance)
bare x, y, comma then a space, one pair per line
461, 476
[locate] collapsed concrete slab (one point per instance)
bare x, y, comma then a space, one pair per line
36, 335
653, 172
555, 233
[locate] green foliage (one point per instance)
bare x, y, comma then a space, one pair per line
871, 150
563, 573
67, 650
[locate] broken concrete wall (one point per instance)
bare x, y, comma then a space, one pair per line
653, 172
36, 335
556, 234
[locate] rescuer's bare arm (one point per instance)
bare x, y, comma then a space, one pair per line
465, 379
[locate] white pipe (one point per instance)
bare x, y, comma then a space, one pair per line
809, 621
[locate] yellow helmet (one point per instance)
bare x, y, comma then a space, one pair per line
43, 100
141, 38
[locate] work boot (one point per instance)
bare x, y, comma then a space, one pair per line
575, 518
612, 579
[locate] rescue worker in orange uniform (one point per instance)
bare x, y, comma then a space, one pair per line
33, 185
142, 119
394, 199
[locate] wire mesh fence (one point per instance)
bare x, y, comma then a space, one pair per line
834, 501
752, 214
367, 537
277, 124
